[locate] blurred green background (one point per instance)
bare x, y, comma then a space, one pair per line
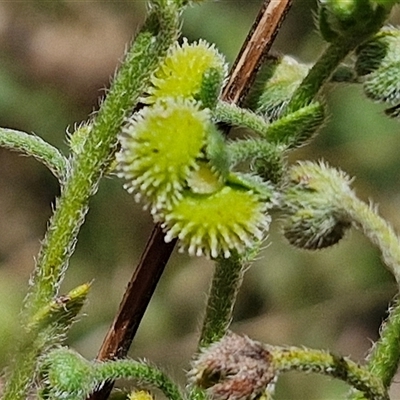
56, 59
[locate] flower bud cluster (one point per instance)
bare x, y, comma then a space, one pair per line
174, 158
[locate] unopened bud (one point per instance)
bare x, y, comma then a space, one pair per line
233, 368
315, 215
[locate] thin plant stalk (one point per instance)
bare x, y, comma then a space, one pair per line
227, 280
323, 362
225, 285
36, 147
319, 74
383, 360
335, 53
377, 230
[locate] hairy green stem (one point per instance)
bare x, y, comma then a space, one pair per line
292, 130
62, 311
342, 46
29, 349
377, 230
141, 372
385, 355
67, 375
52, 321
36, 147
309, 360
319, 74
227, 279
87, 168
383, 361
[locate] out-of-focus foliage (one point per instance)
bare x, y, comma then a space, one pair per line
56, 57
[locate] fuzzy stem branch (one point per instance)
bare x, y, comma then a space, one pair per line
309, 360
36, 147
227, 279
385, 355
377, 230
319, 74
143, 373
67, 375
323, 69
384, 358
89, 165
